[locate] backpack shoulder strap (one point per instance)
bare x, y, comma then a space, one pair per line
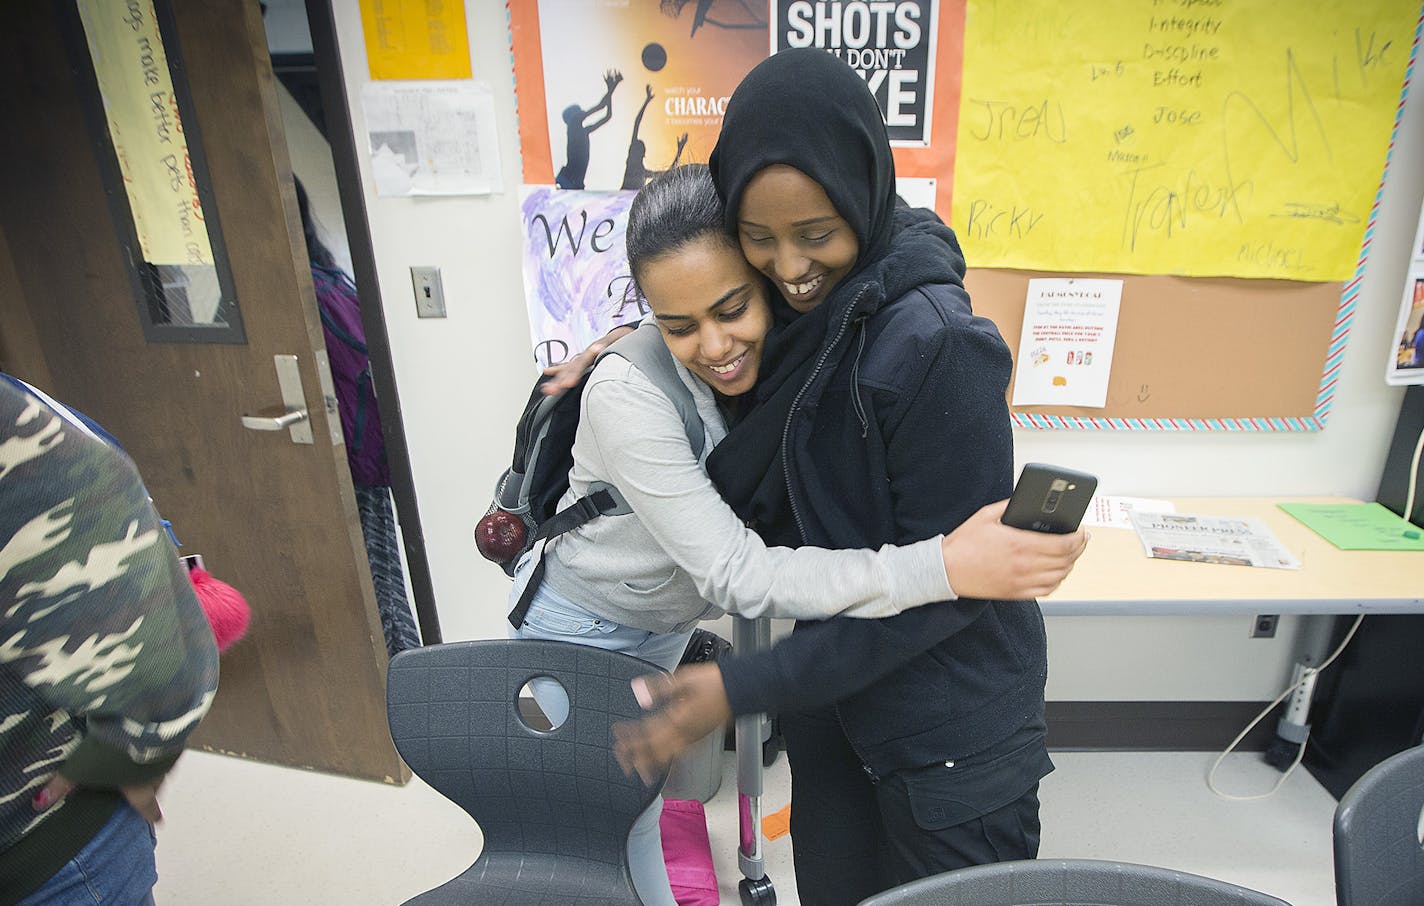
645, 348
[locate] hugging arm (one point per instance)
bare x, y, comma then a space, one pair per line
565, 375
644, 452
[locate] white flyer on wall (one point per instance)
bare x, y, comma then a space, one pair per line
432, 137
1066, 349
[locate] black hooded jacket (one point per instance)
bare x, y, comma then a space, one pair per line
880, 419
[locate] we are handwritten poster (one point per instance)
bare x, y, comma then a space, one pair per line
1240, 138
577, 285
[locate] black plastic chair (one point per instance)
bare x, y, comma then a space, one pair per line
1379, 860
1079, 882
554, 807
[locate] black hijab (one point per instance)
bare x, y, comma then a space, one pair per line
809, 110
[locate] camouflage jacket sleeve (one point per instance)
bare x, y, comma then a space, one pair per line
98, 621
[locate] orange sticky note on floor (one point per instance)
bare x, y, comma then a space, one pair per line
777, 824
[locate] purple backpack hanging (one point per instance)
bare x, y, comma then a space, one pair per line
351, 373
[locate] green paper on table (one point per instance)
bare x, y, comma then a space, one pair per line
1358, 526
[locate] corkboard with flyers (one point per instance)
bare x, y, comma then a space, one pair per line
1198, 349
1238, 148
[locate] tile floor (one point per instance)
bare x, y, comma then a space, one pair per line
240, 832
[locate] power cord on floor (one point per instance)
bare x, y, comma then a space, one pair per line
1307, 675
1413, 477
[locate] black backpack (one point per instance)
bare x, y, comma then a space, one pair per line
526, 497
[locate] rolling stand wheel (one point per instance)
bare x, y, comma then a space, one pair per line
757, 892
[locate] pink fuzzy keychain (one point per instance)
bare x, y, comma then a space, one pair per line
224, 606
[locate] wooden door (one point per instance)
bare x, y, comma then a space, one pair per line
274, 518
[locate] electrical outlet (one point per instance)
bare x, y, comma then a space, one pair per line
1265, 626
429, 293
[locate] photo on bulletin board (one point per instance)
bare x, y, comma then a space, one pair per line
1406, 362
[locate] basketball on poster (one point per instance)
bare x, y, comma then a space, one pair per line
630, 89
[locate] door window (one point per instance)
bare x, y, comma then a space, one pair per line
151, 157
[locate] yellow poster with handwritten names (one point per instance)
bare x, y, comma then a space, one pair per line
142, 114
1241, 138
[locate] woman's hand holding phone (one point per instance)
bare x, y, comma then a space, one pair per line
984, 558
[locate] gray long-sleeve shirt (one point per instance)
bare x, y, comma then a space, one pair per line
682, 547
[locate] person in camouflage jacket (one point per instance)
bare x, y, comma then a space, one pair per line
106, 660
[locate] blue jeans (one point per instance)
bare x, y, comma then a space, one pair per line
553, 617
115, 868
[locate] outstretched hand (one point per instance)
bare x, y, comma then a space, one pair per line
984, 558
565, 375
687, 706
143, 797
611, 78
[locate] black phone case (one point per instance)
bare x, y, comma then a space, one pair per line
1041, 506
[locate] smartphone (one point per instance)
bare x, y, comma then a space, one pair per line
1049, 499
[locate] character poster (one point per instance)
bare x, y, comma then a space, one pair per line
611, 93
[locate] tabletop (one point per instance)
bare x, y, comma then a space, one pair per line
1114, 576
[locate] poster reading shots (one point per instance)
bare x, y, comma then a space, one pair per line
891, 45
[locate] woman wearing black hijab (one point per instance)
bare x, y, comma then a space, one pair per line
916, 742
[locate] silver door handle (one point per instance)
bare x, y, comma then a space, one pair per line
295, 419
266, 423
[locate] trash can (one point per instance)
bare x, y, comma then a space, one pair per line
697, 773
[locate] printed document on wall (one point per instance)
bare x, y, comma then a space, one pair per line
1065, 352
432, 137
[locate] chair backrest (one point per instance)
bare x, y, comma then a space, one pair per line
1080, 882
454, 716
1379, 860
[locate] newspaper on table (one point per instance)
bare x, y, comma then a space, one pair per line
1231, 540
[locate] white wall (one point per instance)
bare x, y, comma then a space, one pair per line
463, 381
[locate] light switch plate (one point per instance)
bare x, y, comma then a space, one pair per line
429, 293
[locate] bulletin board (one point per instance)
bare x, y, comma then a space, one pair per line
1239, 148
1223, 160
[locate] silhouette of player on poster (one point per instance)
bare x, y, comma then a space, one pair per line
571, 176
635, 171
